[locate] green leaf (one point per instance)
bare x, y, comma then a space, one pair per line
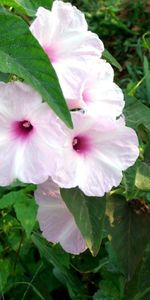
146, 40
86, 263
137, 114
21, 54
28, 7
142, 180
26, 211
129, 181
147, 77
25, 208
144, 275
49, 252
108, 291
5, 269
89, 214
30, 285
139, 287
10, 198
71, 281
111, 59
128, 231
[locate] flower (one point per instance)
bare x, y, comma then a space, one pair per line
25, 132
55, 220
94, 154
64, 36
99, 95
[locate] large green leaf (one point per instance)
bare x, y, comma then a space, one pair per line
89, 214
128, 229
137, 114
21, 54
28, 7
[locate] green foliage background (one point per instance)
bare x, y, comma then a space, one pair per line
119, 237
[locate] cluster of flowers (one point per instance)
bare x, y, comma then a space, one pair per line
34, 142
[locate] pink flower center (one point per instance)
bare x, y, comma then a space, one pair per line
81, 144
22, 129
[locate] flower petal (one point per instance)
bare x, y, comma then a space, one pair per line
56, 222
100, 95
112, 148
63, 34
69, 16
28, 156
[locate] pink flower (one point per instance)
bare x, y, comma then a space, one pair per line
94, 154
56, 222
64, 36
98, 93
26, 138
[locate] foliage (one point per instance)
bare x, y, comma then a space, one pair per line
117, 228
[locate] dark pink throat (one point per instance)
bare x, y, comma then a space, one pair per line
81, 144
22, 129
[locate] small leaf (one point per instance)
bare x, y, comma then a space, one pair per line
9, 199
147, 77
142, 180
146, 40
5, 270
21, 54
129, 232
111, 59
89, 214
129, 181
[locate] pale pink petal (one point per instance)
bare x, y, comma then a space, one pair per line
69, 16
96, 153
28, 142
99, 94
63, 34
56, 222
112, 155
15, 94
